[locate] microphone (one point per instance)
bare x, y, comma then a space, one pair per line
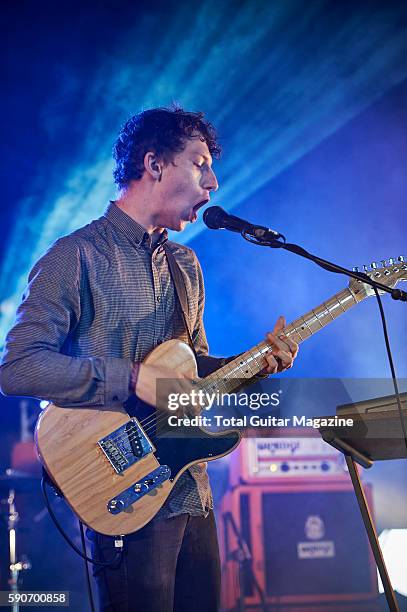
215, 217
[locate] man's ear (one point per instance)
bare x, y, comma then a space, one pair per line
153, 165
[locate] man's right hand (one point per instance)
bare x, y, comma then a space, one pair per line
154, 383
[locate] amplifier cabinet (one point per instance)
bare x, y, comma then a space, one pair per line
308, 545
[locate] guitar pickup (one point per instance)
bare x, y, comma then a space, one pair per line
125, 446
137, 490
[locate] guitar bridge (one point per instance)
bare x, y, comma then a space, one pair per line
125, 446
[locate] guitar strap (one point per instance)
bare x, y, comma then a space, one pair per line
180, 290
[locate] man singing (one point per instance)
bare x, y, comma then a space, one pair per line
97, 303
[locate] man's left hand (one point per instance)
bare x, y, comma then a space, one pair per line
284, 349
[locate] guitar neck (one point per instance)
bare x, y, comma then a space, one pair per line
248, 364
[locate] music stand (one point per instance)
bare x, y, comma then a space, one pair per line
375, 436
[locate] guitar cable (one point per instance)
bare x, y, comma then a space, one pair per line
87, 574
118, 543
118, 555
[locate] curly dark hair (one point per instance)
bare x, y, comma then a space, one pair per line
163, 131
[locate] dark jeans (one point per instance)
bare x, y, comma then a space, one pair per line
170, 565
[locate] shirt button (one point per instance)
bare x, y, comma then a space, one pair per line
115, 398
158, 299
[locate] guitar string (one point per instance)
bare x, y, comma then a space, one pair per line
246, 363
293, 328
153, 420
149, 422
214, 382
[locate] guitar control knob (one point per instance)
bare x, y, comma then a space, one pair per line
115, 505
140, 487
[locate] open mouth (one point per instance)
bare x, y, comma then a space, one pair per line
195, 209
193, 212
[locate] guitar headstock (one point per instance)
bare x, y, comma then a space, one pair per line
388, 273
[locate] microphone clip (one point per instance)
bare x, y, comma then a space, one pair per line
263, 236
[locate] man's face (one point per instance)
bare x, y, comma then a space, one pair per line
185, 185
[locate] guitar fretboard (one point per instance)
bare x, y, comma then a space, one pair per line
248, 364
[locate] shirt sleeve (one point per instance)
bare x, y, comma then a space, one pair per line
34, 363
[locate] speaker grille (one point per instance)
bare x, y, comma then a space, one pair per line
314, 543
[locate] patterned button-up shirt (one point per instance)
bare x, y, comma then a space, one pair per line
98, 300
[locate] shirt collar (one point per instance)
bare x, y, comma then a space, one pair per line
135, 232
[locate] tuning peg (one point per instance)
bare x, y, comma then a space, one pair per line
383, 262
400, 258
374, 265
365, 268
355, 269
392, 261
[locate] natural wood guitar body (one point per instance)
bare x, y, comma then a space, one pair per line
67, 445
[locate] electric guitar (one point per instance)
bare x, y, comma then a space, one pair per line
116, 472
